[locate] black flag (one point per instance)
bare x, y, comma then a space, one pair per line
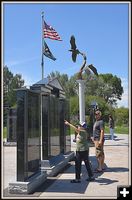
47, 52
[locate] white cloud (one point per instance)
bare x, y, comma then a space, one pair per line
12, 63
27, 81
125, 96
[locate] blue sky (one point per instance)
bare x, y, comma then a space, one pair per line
101, 31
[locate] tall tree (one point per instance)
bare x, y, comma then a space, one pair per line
122, 116
10, 82
106, 86
113, 89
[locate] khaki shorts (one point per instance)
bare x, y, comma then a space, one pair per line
99, 151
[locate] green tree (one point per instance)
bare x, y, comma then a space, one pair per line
105, 89
16, 83
112, 90
106, 86
122, 116
10, 82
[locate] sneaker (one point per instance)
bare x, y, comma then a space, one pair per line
90, 179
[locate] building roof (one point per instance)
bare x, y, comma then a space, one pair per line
54, 82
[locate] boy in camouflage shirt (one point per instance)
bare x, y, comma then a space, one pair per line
81, 152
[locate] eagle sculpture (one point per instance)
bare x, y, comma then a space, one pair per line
93, 69
73, 49
75, 52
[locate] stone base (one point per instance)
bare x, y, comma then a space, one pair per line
9, 143
56, 164
29, 186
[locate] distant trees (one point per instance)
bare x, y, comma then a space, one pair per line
122, 116
10, 82
105, 89
106, 86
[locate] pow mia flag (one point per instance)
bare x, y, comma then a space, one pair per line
47, 52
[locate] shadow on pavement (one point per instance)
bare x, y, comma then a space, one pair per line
65, 186
118, 139
116, 169
105, 181
108, 137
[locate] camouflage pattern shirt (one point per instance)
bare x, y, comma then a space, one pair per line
81, 141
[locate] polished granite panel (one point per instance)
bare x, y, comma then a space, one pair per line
54, 127
34, 107
21, 143
62, 126
11, 125
67, 128
45, 127
28, 134
33, 133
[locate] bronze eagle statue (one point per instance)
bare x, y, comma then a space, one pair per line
75, 52
93, 69
73, 49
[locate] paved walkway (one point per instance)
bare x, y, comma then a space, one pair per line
117, 156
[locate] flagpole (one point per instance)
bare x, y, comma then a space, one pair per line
42, 62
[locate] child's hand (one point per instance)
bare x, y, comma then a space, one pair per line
92, 139
66, 122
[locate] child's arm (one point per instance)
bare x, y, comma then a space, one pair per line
67, 123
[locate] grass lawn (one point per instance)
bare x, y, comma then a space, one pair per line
5, 132
118, 129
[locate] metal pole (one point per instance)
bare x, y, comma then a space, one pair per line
81, 83
81, 100
41, 131
42, 63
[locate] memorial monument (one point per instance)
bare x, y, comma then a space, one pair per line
43, 144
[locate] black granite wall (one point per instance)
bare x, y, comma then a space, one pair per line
38, 112
11, 125
28, 134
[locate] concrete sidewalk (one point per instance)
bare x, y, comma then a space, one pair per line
104, 187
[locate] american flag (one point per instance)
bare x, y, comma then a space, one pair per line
49, 32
